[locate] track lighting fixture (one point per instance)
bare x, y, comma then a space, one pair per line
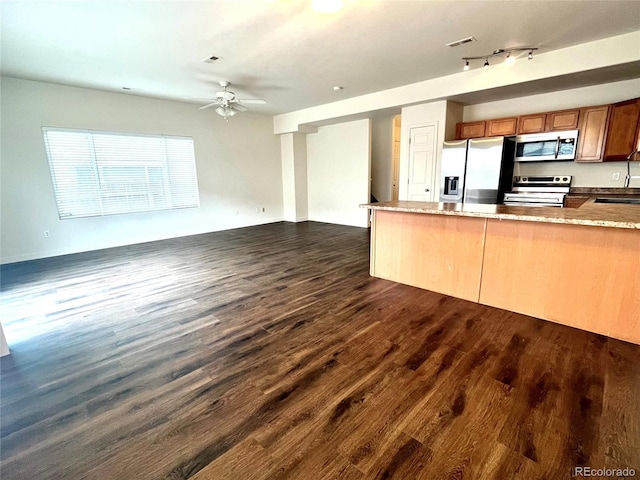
496, 53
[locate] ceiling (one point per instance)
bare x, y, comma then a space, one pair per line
281, 50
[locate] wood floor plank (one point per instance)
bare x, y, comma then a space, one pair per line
269, 352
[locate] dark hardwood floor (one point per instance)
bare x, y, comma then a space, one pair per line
268, 352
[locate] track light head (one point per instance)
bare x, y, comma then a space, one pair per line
466, 65
486, 62
530, 56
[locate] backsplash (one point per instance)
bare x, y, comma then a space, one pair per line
584, 174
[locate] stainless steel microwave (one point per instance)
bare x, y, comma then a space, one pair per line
548, 146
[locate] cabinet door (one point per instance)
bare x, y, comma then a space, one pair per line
622, 130
563, 120
502, 127
593, 130
532, 123
571, 201
470, 130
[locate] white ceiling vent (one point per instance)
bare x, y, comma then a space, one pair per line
461, 42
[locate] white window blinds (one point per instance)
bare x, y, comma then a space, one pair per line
102, 173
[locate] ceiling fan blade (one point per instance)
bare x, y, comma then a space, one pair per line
239, 107
256, 101
209, 105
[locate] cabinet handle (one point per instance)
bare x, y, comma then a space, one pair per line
426, 189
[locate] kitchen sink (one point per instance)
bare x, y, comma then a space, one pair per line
628, 201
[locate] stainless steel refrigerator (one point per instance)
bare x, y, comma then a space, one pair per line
477, 170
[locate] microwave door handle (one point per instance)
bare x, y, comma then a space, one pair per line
557, 146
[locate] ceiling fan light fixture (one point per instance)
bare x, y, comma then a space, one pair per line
327, 6
225, 111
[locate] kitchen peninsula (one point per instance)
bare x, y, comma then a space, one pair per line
578, 267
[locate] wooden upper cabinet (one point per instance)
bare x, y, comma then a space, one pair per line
502, 127
593, 131
548, 122
534, 123
562, 120
470, 130
622, 133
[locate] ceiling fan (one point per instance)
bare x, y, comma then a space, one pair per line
227, 105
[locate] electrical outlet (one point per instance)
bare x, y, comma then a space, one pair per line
47, 233
615, 176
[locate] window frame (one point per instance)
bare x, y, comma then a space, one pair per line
172, 155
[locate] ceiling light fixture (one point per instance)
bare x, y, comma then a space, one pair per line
462, 41
225, 111
496, 53
327, 6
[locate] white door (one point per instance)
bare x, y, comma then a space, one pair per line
422, 157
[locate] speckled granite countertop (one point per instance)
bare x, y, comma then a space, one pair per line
604, 191
592, 214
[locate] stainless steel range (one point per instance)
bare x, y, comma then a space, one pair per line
538, 191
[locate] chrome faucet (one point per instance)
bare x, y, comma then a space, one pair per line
628, 176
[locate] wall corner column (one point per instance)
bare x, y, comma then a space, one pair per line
293, 151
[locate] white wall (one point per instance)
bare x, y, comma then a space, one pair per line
584, 174
338, 169
238, 165
382, 157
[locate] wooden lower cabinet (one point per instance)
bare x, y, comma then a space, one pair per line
574, 201
440, 253
586, 277
582, 276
